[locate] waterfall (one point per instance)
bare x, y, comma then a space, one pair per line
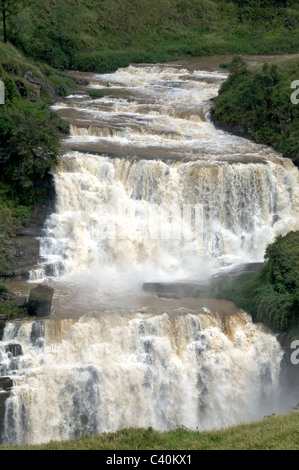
101, 374
165, 220
147, 189
149, 186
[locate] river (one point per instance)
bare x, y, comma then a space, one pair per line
148, 190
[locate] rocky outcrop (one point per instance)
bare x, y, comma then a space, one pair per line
22, 247
17, 308
40, 301
36, 83
6, 384
172, 290
39, 304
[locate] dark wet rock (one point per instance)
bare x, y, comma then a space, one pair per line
21, 301
237, 270
81, 81
34, 81
15, 349
2, 325
6, 384
37, 333
275, 219
3, 398
23, 247
40, 301
7, 296
172, 290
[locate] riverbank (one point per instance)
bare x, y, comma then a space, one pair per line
255, 102
30, 137
272, 433
270, 294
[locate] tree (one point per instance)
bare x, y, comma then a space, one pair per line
29, 145
8, 8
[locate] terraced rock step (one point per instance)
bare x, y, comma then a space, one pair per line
172, 290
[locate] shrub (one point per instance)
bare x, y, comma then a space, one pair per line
256, 102
30, 136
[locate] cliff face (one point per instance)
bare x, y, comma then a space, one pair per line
21, 249
29, 147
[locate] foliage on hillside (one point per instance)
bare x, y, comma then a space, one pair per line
271, 295
256, 103
29, 140
29, 131
98, 35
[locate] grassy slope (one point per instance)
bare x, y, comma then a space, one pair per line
99, 36
272, 433
256, 103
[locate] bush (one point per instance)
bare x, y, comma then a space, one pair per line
62, 84
10, 309
3, 288
29, 136
256, 103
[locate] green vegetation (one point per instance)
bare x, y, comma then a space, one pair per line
97, 93
255, 102
3, 288
13, 215
97, 35
272, 433
9, 8
29, 134
29, 131
63, 85
29, 142
10, 309
270, 295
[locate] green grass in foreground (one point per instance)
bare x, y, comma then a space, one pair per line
272, 433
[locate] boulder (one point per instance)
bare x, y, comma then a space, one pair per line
6, 384
15, 349
40, 301
21, 301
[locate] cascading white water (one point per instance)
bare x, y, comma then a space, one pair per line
147, 190
103, 374
200, 200
162, 220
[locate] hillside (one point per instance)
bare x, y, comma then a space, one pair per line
98, 36
29, 146
255, 102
